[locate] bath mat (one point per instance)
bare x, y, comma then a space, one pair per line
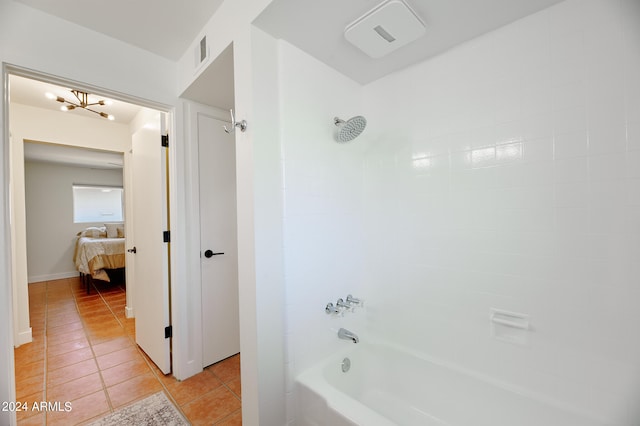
155, 410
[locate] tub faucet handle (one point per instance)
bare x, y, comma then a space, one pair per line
353, 301
330, 309
342, 304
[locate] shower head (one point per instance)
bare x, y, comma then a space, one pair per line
349, 130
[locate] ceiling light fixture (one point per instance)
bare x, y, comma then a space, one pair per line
83, 102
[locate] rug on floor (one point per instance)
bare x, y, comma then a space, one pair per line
155, 410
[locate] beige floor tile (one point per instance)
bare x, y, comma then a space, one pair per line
211, 407
133, 389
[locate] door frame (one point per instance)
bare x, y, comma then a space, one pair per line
176, 263
198, 111
192, 109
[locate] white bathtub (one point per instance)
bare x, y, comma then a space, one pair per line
386, 386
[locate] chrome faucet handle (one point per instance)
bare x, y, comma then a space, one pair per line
330, 309
340, 303
353, 301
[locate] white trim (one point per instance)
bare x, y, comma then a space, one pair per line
181, 318
86, 87
188, 327
24, 337
51, 277
128, 312
194, 301
7, 373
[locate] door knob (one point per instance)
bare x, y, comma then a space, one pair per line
133, 250
209, 253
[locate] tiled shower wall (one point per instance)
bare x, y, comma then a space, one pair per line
323, 200
506, 174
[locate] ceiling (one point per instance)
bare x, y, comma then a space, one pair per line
32, 92
317, 27
314, 26
164, 27
72, 156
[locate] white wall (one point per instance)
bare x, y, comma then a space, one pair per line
52, 45
52, 126
269, 294
259, 283
506, 173
51, 233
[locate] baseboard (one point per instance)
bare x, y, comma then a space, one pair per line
23, 337
51, 277
128, 312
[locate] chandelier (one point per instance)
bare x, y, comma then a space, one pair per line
82, 102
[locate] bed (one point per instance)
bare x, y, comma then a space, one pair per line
95, 252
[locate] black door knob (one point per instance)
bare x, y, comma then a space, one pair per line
210, 253
133, 250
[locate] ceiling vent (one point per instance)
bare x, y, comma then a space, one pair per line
385, 28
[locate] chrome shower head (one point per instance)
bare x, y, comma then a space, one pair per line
349, 130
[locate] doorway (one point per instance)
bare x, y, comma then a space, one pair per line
212, 157
147, 117
218, 241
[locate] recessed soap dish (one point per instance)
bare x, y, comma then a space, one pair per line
512, 327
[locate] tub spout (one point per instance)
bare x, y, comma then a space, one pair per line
347, 335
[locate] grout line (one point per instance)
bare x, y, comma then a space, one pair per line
232, 392
228, 416
44, 336
144, 358
95, 358
107, 303
45, 345
164, 387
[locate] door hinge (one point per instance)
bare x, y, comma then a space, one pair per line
166, 236
165, 141
168, 332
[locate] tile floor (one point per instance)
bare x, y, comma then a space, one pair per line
83, 351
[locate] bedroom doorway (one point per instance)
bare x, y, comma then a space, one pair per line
55, 123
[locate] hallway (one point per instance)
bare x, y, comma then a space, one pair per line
84, 352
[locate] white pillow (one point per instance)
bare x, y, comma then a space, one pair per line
112, 229
93, 232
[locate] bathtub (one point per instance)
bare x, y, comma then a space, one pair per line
387, 386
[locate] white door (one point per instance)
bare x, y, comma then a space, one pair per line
151, 283
218, 240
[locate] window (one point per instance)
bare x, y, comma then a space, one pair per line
97, 204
